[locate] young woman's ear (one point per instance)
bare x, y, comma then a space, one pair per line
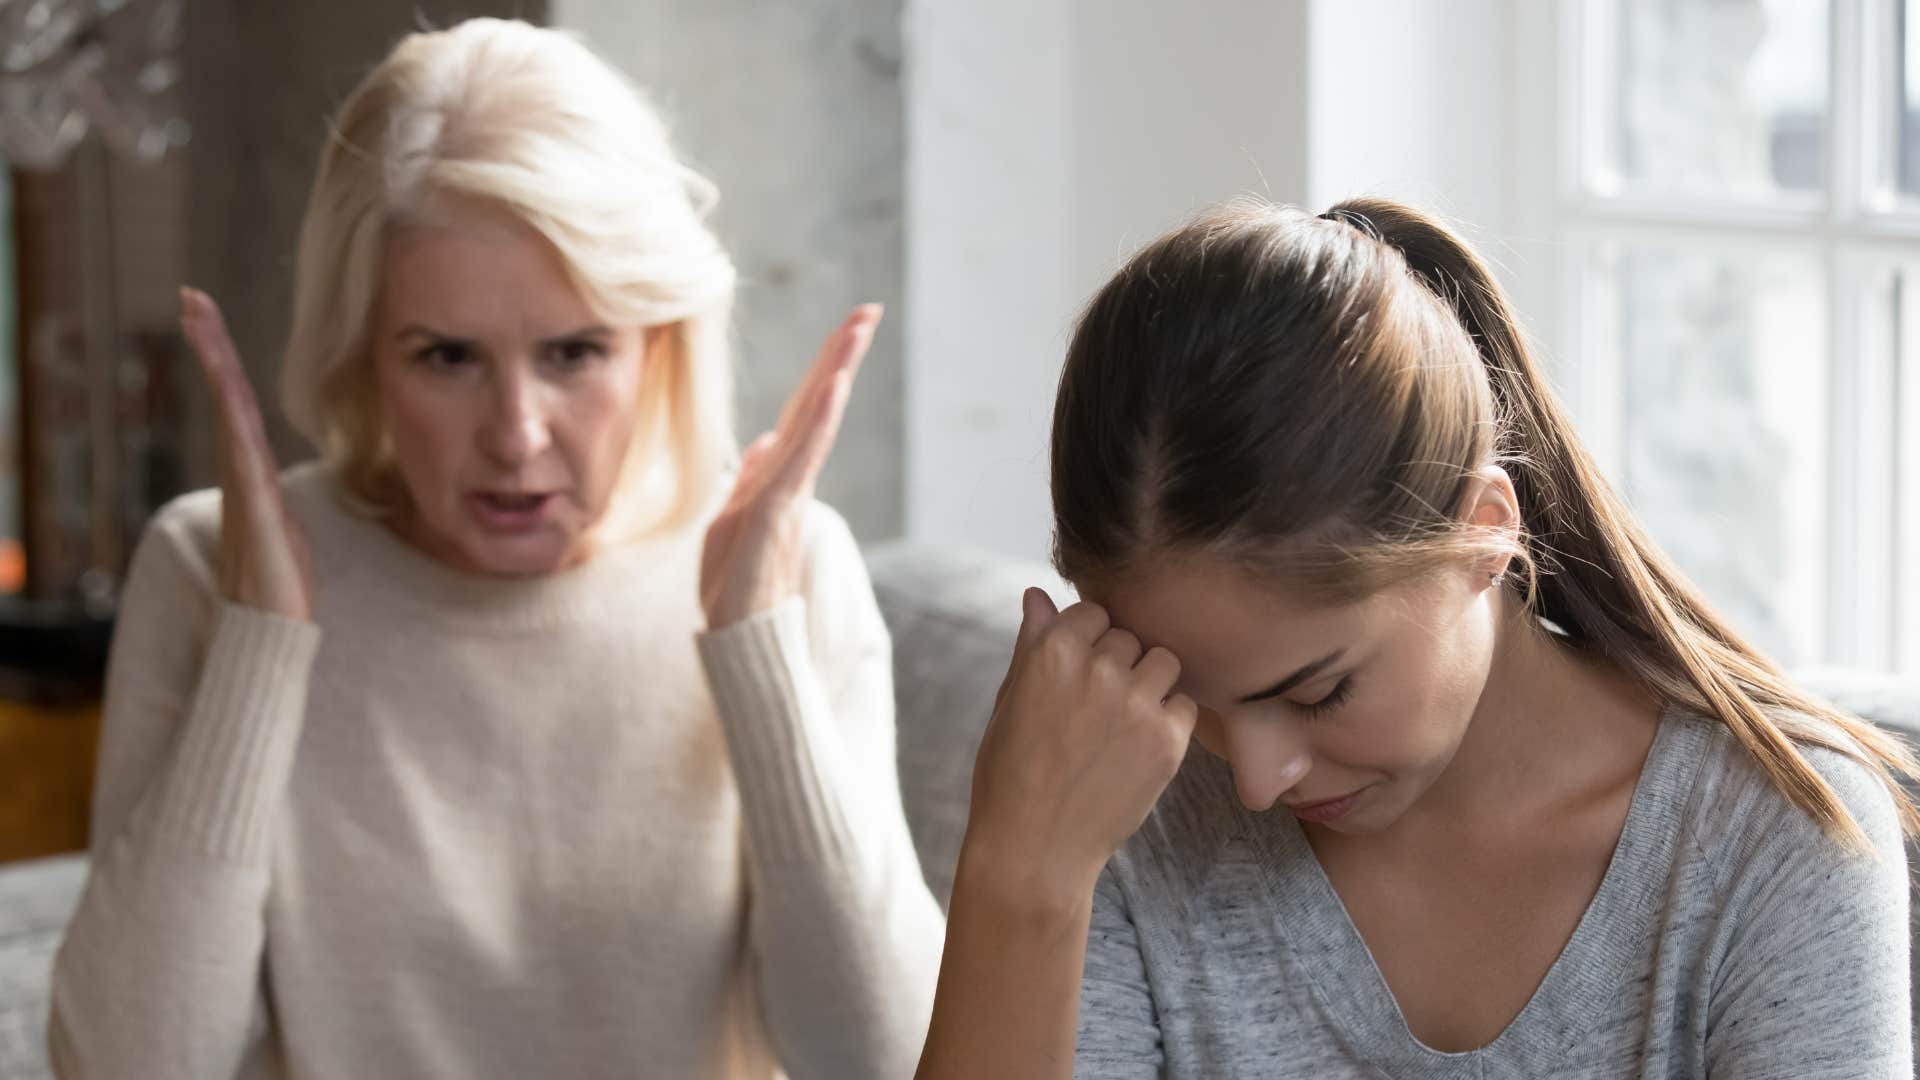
1489, 502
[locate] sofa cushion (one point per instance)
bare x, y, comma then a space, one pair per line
36, 897
953, 615
1894, 704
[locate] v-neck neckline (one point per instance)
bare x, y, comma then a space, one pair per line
1586, 976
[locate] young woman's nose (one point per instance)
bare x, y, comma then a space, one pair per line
516, 429
1268, 759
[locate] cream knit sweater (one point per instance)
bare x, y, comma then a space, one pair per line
464, 827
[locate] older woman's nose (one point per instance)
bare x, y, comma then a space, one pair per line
517, 428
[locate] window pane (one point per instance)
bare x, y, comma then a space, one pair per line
1721, 99
1724, 386
1906, 477
1909, 41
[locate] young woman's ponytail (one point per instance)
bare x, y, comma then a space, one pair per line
1598, 576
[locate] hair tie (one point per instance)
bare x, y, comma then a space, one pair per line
1353, 218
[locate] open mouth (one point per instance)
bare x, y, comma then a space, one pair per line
512, 511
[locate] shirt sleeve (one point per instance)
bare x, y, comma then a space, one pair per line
1813, 984
159, 972
845, 936
1119, 1031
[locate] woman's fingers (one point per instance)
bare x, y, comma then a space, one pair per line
263, 556
1120, 646
1085, 620
797, 446
815, 423
1157, 672
206, 331
753, 466
752, 553
1185, 714
843, 347
755, 452
1074, 757
814, 442
249, 458
1036, 614
861, 326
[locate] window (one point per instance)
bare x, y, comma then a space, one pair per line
1742, 196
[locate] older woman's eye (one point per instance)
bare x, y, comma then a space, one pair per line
578, 353
445, 356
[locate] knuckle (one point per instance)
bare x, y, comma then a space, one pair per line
1106, 670
1164, 657
1057, 644
1091, 613
1142, 696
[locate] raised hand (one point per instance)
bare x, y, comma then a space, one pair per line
753, 557
263, 553
1086, 733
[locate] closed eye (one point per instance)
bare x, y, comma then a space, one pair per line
1334, 698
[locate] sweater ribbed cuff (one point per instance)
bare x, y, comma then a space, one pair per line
229, 772
775, 715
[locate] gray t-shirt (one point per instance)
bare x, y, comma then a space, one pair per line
1729, 938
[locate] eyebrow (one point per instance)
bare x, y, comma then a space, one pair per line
417, 330
1295, 679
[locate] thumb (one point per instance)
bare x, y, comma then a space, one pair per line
1036, 614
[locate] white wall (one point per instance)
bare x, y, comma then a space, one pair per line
1449, 106
990, 281
1047, 141
795, 111
1044, 142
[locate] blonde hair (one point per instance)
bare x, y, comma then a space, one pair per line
1310, 396
531, 120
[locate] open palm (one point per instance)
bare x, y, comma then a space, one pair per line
263, 553
753, 557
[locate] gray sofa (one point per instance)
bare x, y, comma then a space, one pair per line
953, 617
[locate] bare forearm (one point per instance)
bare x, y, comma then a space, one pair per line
1009, 989
1086, 732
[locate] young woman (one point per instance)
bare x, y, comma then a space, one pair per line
1481, 787
514, 738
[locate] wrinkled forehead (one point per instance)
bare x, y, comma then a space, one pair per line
480, 271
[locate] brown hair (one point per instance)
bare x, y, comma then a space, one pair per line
1308, 397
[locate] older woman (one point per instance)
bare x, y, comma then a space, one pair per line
523, 734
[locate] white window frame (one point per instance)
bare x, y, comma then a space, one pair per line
1858, 228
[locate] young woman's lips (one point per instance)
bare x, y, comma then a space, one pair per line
1326, 809
510, 512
